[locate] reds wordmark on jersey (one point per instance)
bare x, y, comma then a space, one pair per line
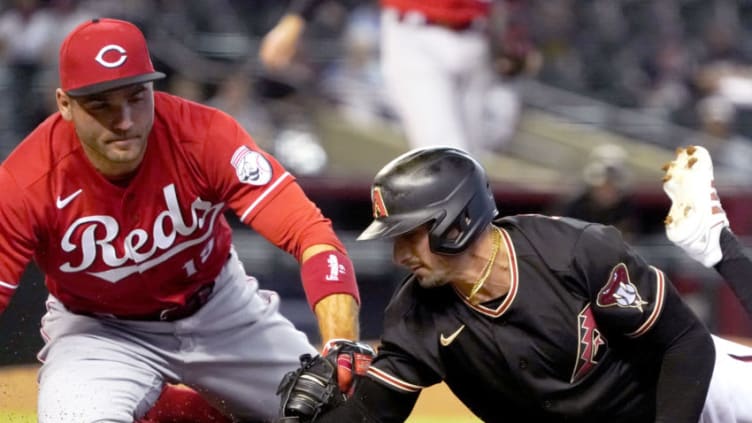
139, 248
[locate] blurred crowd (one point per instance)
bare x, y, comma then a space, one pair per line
684, 61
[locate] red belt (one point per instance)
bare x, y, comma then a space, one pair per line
192, 304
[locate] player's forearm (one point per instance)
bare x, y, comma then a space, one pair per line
735, 268
337, 316
335, 302
372, 402
681, 393
292, 25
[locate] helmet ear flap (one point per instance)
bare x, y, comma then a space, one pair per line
453, 236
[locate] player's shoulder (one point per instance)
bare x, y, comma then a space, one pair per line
554, 239
187, 119
544, 227
42, 151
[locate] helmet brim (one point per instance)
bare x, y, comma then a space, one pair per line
391, 226
376, 230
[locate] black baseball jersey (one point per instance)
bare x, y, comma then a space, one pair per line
580, 336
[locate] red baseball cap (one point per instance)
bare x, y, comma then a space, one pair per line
104, 54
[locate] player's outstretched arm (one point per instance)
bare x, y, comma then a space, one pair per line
336, 313
279, 45
294, 224
698, 224
736, 269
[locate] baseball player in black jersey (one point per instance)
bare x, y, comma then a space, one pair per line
544, 318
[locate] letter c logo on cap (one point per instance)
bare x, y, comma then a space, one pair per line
105, 50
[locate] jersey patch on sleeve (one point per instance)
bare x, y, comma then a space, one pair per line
619, 290
660, 295
251, 167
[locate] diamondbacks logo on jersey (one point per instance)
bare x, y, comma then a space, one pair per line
251, 167
620, 291
591, 346
379, 208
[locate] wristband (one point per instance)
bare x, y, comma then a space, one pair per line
328, 272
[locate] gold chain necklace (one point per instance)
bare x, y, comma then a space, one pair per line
489, 265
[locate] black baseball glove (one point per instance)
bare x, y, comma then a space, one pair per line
323, 381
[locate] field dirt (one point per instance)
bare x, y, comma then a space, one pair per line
18, 393
18, 388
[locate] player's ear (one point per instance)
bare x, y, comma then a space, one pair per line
64, 104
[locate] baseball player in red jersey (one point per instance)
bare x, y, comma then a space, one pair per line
437, 66
119, 198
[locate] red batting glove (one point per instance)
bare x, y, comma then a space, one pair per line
352, 360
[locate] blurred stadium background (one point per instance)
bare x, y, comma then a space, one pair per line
621, 84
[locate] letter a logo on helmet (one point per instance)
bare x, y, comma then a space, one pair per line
379, 208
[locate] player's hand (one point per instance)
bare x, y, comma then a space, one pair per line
309, 391
352, 360
323, 381
280, 44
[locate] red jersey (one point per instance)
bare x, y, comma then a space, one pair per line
146, 246
448, 11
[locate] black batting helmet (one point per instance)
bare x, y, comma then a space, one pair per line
441, 185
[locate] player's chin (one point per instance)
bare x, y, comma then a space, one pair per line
124, 151
123, 156
428, 281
